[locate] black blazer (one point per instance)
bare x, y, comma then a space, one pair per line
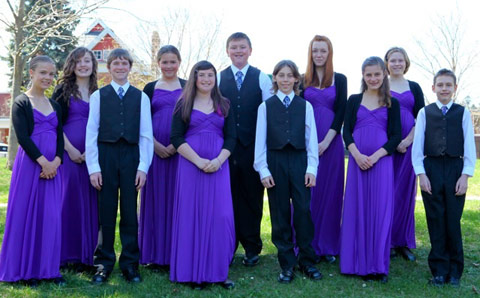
418, 96
340, 82
394, 128
23, 123
179, 128
150, 87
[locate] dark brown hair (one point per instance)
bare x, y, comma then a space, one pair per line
384, 90
68, 79
311, 78
445, 72
221, 105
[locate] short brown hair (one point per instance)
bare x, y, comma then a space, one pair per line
293, 67
238, 36
119, 53
445, 72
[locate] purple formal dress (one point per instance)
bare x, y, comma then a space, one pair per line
31, 243
405, 187
368, 205
203, 235
79, 198
327, 195
155, 229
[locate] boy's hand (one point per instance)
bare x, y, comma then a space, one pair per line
96, 180
140, 179
310, 180
268, 182
462, 185
425, 183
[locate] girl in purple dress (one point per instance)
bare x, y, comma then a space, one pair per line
31, 243
327, 92
371, 132
410, 97
79, 198
155, 229
203, 132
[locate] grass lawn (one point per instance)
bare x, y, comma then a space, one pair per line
406, 279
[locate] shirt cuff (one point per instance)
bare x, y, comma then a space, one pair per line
468, 171
143, 167
312, 170
419, 170
264, 173
94, 169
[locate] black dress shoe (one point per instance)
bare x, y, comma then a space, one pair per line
228, 284
33, 283
132, 275
407, 254
100, 277
383, 278
330, 259
60, 281
286, 276
437, 281
250, 261
311, 272
198, 286
368, 277
454, 282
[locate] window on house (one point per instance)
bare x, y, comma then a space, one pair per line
98, 54
106, 53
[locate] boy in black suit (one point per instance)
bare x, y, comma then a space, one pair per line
443, 157
246, 87
119, 150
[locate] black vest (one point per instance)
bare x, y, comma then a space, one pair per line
443, 133
285, 125
243, 103
119, 118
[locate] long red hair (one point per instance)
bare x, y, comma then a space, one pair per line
310, 77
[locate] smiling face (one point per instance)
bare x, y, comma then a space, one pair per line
320, 53
373, 77
84, 66
444, 88
119, 69
396, 64
239, 50
42, 76
169, 65
205, 81
285, 80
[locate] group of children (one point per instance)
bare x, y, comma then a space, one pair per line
195, 207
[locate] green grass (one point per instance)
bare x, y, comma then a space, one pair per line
406, 279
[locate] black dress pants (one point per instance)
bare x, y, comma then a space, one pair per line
247, 197
288, 167
444, 210
118, 162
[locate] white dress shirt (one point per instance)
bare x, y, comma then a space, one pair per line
469, 155
146, 135
311, 142
264, 80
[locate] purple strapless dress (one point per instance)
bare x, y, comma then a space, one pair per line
368, 205
31, 243
156, 208
203, 235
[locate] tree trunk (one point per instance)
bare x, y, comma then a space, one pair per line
18, 64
